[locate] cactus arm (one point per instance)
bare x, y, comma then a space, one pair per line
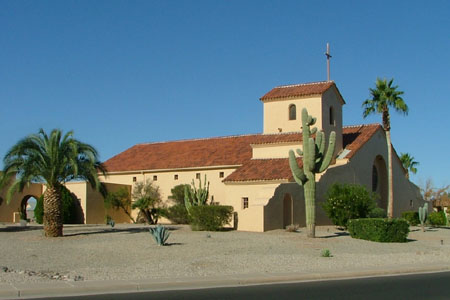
310, 158
299, 152
297, 172
314, 130
329, 156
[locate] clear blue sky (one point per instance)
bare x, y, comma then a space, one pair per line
120, 73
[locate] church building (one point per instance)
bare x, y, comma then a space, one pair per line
252, 173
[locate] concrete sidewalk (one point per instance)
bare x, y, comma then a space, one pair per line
70, 288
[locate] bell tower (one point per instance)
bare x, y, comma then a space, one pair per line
283, 106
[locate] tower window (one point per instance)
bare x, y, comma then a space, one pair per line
221, 174
155, 178
134, 178
175, 177
292, 112
332, 116
197, 176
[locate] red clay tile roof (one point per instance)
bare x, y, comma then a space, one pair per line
221, 151
263, 170
354, 138
298, 90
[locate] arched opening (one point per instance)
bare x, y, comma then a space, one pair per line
379, 180
332, 122
292, 112
288, 216
27, 206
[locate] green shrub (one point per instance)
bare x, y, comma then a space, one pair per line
377, 212
379, 230
210, 217
177, 214
412, 217
347, 201
69, 208
437, 218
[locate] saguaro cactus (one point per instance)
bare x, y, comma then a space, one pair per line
315, 160
194, 196
423, 214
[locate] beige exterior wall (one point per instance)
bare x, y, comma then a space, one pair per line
274, 150
7, 210
276, 113
92, 203
406, 194
166, 181
331, 99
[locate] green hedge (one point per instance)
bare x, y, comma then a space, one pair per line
437, 218
412, 217
379, 230
177, 214
210, 217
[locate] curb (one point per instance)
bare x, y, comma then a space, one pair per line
78, 288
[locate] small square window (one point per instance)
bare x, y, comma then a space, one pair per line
175, 177
244, 202
134, 179
221, 174
197, 176
155, 178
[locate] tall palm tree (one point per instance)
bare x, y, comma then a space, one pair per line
385, 95
408, 163
52, 160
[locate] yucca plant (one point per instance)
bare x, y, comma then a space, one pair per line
160, 234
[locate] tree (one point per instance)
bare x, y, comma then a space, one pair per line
178, 194
408, 163
119, 200
52, 160
147, 198
384, 96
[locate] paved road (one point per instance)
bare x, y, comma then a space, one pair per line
416, 286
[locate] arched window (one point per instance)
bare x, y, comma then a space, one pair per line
331, 116
374, 178
292, 112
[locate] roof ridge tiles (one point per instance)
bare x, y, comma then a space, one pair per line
201, 139
303, 84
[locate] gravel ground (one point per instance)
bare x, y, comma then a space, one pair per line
92, 252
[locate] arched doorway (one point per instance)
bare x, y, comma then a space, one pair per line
27, 206
379, 181
288, 216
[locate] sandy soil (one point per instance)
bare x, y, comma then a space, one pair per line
92, 252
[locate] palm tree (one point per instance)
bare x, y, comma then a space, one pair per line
408, 163
384, 96
52, 160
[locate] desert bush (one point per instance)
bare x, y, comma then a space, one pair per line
347, 201
119, 200
177, 194
412, 217
377, 212
177, 214
437, 218
69, 207
147, 198
209, 217
379, 230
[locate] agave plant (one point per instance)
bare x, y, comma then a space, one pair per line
160, 234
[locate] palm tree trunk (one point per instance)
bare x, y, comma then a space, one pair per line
390, 208
53, 225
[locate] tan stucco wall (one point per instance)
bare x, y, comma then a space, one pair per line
165, 180
276, 113
7, 210
92, 203
280, 150
331, 99
406, 194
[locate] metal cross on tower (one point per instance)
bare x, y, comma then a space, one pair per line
327, 54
